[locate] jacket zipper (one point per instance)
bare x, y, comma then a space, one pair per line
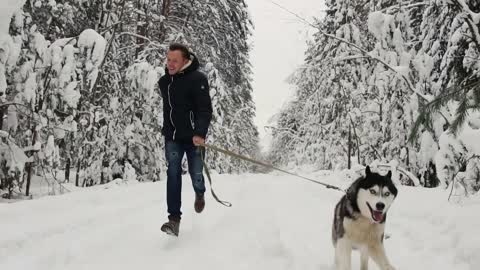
171, 109
192, 122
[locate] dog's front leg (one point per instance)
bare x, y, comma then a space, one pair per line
364, 258
343, 255
377, 252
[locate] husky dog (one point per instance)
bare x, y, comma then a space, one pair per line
359, 221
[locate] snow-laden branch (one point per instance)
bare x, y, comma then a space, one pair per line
362, 50
286, 130
141, 37
109, 44
472, 19
350, 57
404, 5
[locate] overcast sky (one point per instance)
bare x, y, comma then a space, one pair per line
279, 43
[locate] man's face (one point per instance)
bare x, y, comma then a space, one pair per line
175, 61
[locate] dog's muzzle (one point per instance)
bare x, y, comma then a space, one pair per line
377, 215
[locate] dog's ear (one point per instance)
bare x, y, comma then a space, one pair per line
389, 174
368, 171
352, 190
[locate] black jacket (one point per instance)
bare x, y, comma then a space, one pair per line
187, 106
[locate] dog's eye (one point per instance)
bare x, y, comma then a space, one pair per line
373, 191
386, 194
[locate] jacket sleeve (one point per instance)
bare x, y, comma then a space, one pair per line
203, 107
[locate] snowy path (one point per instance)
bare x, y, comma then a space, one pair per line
276, 222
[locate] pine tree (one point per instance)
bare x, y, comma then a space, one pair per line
107, 109
330, 85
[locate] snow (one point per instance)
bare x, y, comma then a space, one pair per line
30, 88
428, 149
6, 43
143, 77
469, 136
50, 148
398, 40
376, 23
94, 45
89, 39
118, 227
70, 95
12, 119
6, 52
9, 7
40, 44
3, 80
129, 131
424, 64
68, 69
476, 18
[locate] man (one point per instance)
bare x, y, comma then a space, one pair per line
187, 112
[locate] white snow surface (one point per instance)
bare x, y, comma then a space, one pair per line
276, 222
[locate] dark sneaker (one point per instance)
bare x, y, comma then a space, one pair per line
172, 227
199, 202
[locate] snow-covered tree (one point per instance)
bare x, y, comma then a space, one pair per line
413, 71
83, 76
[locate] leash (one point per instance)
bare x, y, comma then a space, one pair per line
207, 172
245, 158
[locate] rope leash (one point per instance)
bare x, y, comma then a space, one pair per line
245, 158
207, 172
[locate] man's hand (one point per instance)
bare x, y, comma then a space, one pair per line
198, 141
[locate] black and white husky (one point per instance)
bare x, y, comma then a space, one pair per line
359, 221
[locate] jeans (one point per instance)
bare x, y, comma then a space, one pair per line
174, 152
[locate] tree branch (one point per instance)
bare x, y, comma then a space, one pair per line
363, 51
471, 19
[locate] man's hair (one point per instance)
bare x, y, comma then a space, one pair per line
180, 47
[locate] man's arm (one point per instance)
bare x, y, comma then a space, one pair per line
203, 107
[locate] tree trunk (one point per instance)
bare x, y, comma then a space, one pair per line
165, 13
67, 171
78, 173
349, 147
30, 165
2, 112
166, 8
142, 24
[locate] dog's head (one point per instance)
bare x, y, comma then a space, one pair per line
373, 195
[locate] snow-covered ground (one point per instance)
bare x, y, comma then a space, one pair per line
276, 222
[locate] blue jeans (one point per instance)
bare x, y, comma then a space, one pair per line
174, 152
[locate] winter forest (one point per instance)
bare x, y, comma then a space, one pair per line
390, 84
80, 94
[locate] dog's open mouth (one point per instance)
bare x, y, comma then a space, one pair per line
376, 215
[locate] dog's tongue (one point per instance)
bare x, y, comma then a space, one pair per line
378, 216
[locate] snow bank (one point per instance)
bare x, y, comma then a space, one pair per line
119, 228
